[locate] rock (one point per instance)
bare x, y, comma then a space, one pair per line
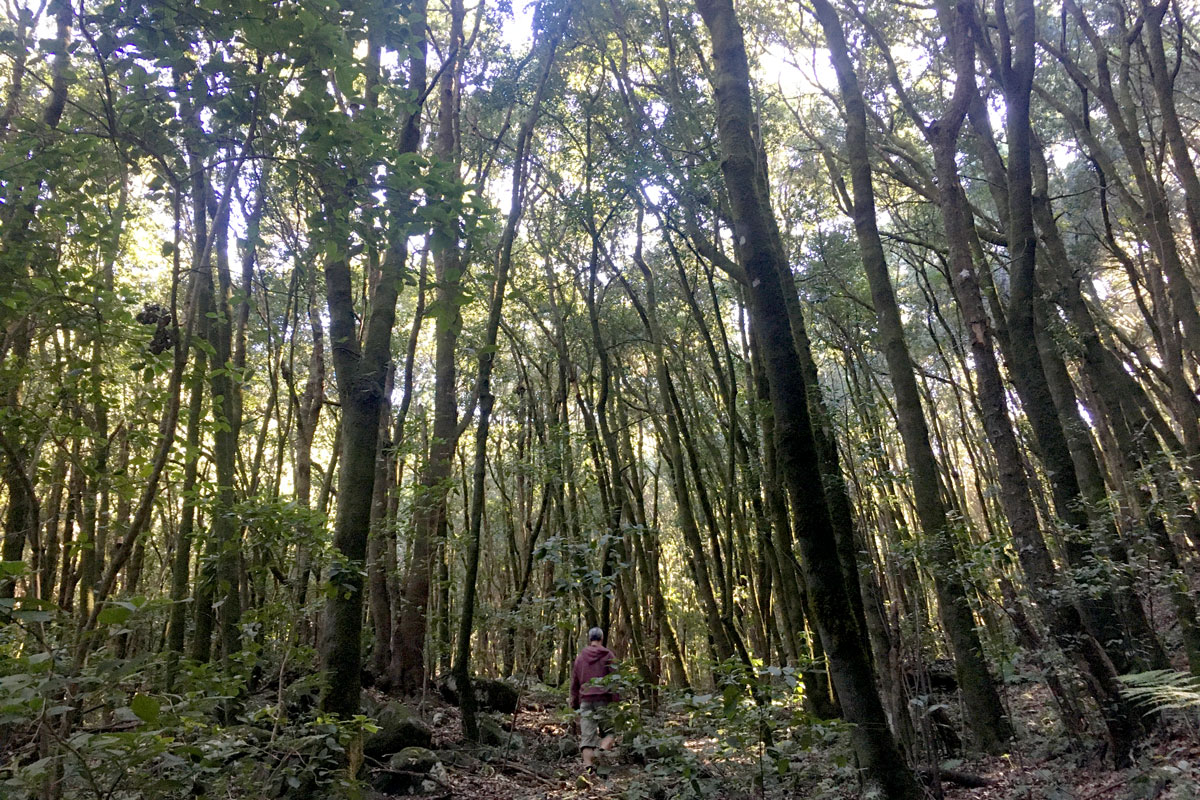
559, 749
497, 696
414, 759
407, 770
448, 687
490, 732
494, 734
399, 728
490, 694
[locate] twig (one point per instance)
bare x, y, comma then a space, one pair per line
1115, 784
513, 766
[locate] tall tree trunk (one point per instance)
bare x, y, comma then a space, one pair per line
181, 563
1063, 617
791, 584
760, 252
429, 507
1028, 372
226, 531
379, 600
981, 701
308, 413
462, 670
361, 374
1163, 79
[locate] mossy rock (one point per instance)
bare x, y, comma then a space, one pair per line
496, 695
559, 749
490, 694
490, 732
399, 728
406, 770
414, 759
493, 734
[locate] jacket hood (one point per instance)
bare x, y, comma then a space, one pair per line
594, 653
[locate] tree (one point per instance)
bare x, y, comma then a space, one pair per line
759, 251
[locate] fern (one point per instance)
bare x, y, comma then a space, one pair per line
1162, 689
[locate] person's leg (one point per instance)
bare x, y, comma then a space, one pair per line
589, 730
604, 728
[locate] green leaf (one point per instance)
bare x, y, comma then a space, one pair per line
40, 662
30, 615
113, 615
146, 708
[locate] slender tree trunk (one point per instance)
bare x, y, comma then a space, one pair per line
429, 508
1064, 619
181, 564
760, 252
361, 374
308, 413
791, 585
226, 532
379, 601
981, 701
462, 670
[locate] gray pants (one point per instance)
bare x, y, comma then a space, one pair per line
593, 722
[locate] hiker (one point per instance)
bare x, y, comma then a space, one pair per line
589, 699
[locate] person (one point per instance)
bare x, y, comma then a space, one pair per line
589, 698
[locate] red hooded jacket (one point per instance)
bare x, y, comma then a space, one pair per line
594, 661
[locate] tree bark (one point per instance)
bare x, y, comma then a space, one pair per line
760, 251
981, 701
462, 670
429, 508
361, 374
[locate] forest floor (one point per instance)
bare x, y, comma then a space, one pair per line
539, 760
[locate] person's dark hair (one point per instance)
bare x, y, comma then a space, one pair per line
595, 635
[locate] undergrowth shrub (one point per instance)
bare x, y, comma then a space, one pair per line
747, 735
108, 730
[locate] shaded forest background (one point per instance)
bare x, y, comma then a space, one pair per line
839, 360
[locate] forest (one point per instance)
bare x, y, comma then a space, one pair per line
837, 359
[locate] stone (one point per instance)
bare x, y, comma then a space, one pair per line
497, 696
399, 727
490, 732
408, 770
558, 749
490, 694
414, 759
